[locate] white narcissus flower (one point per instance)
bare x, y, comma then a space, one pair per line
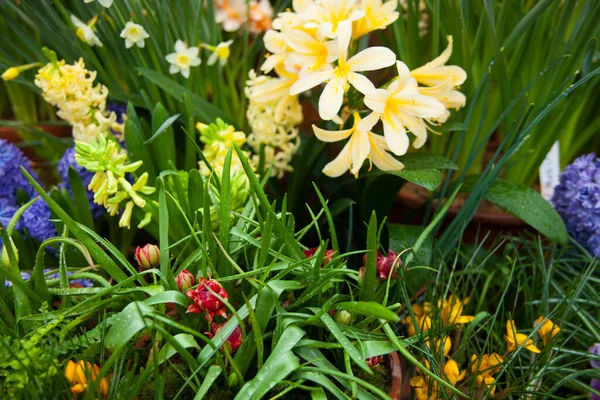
103, 3
85, 31
339, 78
134, 34
220, 53
363, 144
183, 59
402, 107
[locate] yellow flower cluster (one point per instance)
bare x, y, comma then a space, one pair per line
273, 115
310, 45
79, 374
428, 389
70, 87
218, 138
110, 185
450, 309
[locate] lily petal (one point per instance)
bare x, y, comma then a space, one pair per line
332, 98
361, 83
310, 81
372, 59
340, 164
377, 99
331, 136
396, 137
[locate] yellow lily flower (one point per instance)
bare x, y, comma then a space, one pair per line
330, 15
363, 144
452, 310
378, 15
442, 80
548, 330
311, 53
515, 340
78, 373
402, 107
339, 78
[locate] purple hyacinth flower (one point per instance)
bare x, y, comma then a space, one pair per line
595, 350
24, 275
11, 178
577, 200
595, 384
36, 219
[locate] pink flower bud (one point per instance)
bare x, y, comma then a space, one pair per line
385, 263
205, 300
373, 361
185, 280
148, 256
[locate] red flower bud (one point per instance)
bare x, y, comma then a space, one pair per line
234, 339
205, 300
326, 258
373, 361
148, 256
385, 263
185, 280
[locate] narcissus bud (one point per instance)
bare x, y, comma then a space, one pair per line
185, 280
148, 256
343, 317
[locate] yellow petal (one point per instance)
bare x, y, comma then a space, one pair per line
332, 98
340, 164
372, 59
331, 136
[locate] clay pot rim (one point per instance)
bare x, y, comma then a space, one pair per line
504, 219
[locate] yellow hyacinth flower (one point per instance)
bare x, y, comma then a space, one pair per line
363, 144
403, 108
548, 330
345, 73
78, 373
452, 310
515, 340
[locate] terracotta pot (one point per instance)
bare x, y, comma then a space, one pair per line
400, 388
488, 218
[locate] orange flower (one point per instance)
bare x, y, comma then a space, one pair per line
452, 310
78, 373
548, 330
422, 319
515, 340
483, 370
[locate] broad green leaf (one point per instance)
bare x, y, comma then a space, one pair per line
368, 308
185, 340
403, 237
281, 363
420, 161
134, 139
211, 376
128, 323
170, 296
527, 204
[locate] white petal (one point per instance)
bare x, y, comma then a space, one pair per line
180, 46
192, 52
377, 99
331, 99
300, 41
141, 44
396, 137
128, 44
361, 83
344, 34
340, 164
171, 58
185, 72
360, 151
372, 59
194, 62
422, 106
212, 60
274, 41
416, 126
331, 136
403, 71
106, 3
367, 123
173, 69
310, 81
